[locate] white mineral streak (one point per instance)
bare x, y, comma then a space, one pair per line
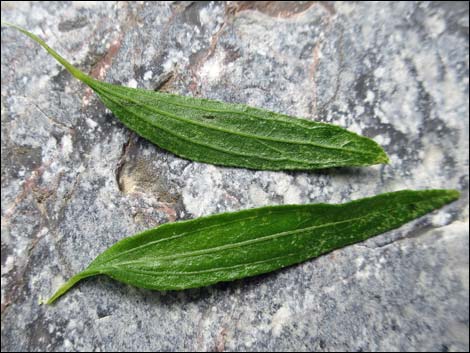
279, 319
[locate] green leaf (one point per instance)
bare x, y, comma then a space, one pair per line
234, 245
229, 134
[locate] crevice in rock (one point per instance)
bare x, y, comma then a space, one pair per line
322, 109
121, 162
163, 81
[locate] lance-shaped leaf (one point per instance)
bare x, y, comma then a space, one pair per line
234, 245
229, 134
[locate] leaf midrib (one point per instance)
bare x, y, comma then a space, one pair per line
143, 246
215, 269
234, 132
242, 243
305, 163
285, 119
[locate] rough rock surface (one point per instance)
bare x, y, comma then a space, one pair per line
75, 180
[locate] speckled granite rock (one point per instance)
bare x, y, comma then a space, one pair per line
75, 180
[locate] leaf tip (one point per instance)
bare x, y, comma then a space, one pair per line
382, 157
453, 194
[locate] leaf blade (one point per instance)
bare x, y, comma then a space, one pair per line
227, 134
310, 145
241, 244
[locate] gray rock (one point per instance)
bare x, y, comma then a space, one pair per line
75, 180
